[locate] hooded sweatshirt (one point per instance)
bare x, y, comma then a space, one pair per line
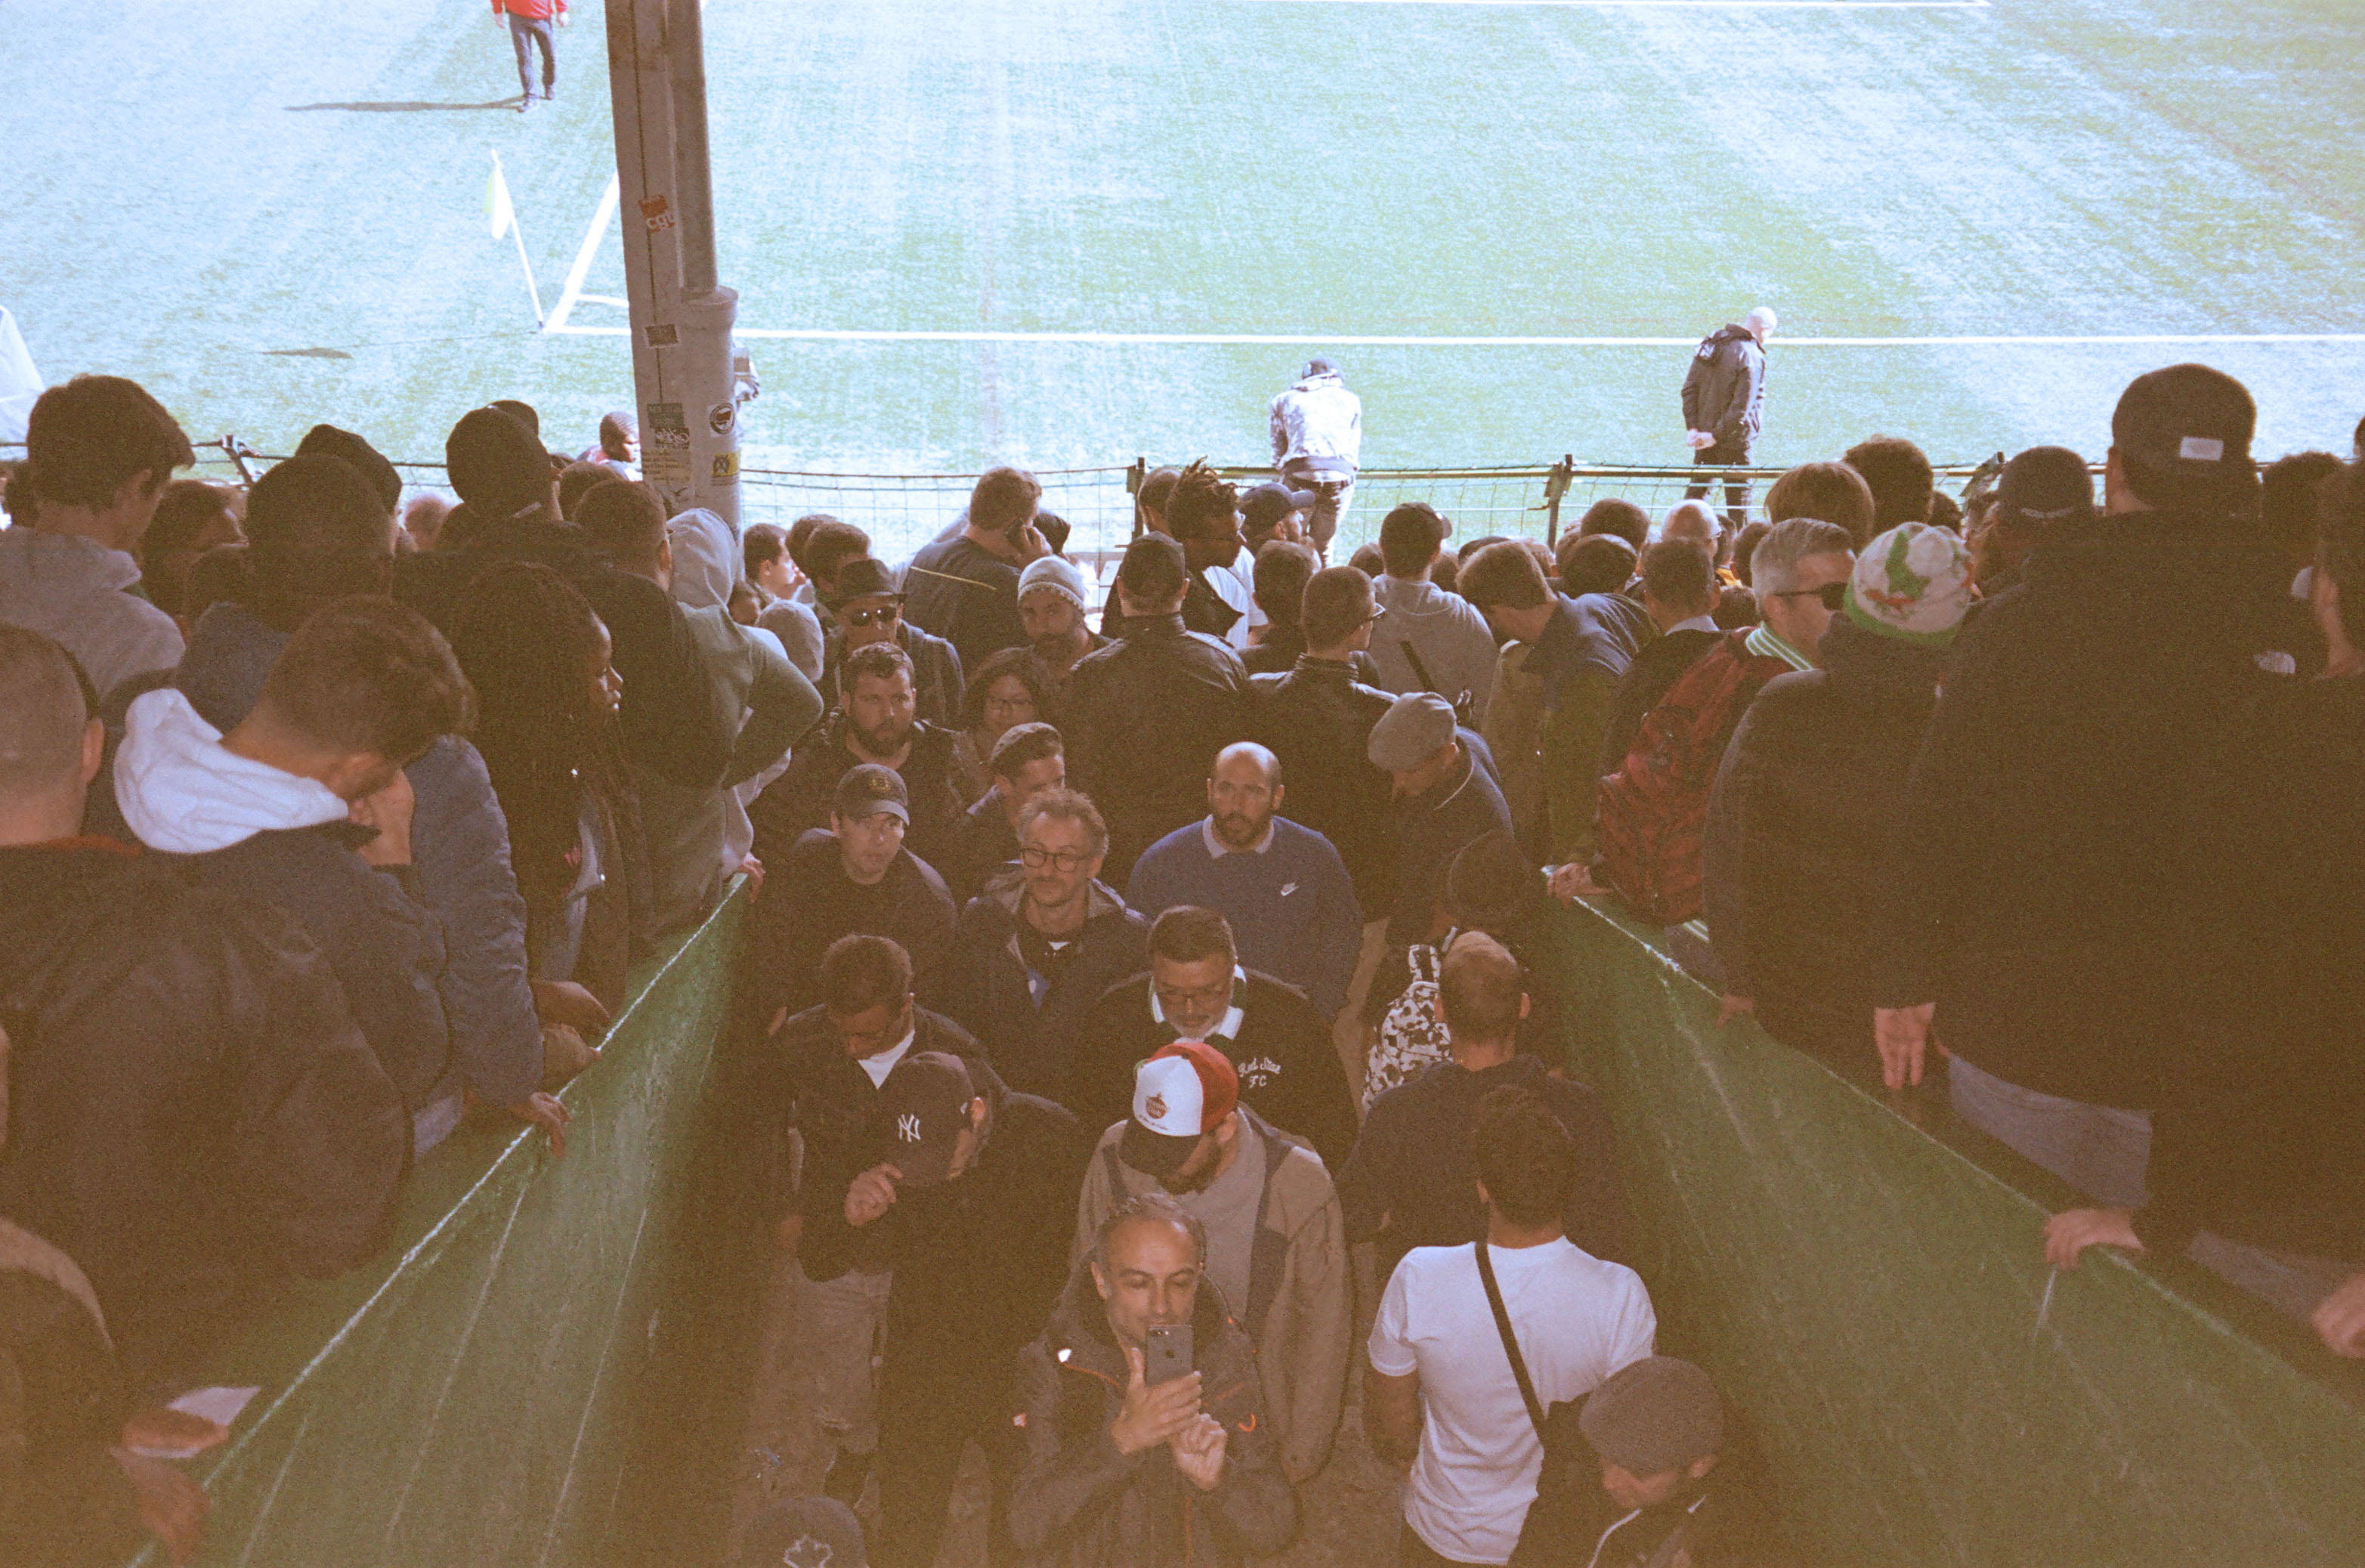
78, 593
459, 843
285, 840
698, 837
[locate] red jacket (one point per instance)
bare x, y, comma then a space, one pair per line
532, 10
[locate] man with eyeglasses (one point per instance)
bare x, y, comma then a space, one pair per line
1652, 814
866, 609
1032, 955
1278, 1042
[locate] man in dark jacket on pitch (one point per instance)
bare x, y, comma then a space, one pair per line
1031, 957
1122, 1471
314, 538
2059, 908
193, 1116
971, 1188
1278, 1042
1809, 803
1147, 716
671, 723
1724, 399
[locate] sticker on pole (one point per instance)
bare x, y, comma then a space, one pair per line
720, 418
657, 213
661, 334
665, 445
724, 469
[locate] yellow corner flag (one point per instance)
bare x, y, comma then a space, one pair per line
499, 213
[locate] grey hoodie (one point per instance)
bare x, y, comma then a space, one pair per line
77, 592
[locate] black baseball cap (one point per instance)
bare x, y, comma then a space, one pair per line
2048, 485
863, 576
2182, 435
921, 1111
868, 789
1267, 504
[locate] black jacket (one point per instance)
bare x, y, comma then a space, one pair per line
828, 1098
194, 1117
671, 723
1033, 1025
1806, 811
937, 677
1317, 718
65, 1502
977, 1260
1288, 1063
799, 801
1431, 828
957, 590
983, 845
1724, 390
1145, 718
2060, 898
1414, 1167
808, 901
1080, 1503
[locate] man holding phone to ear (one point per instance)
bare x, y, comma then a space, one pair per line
965, 588
1146, 1442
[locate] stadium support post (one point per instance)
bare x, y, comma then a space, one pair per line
682, 316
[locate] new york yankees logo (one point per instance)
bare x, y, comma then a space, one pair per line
907, 1126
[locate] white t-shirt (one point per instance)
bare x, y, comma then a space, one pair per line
1578, 1319
879, 1066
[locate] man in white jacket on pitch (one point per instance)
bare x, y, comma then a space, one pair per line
1317, 441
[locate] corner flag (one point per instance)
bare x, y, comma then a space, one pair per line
499, 213
500, 216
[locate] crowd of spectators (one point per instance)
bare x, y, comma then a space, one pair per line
1120, 970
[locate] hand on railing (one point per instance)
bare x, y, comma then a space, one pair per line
544, 1111
568, 1004
2340, 1320
2071, 1231
1903, 1035
171, 1507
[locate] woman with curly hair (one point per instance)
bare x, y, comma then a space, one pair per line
1009, 688
548, 699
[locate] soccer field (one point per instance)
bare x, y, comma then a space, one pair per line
1066, 233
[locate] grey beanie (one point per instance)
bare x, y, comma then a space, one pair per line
1415, 728
1654, 1416
1054, 574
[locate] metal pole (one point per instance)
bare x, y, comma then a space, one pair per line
682, 336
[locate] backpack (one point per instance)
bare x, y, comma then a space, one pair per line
1412, 1031
1651, 823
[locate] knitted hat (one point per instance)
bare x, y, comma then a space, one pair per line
1654, 1416
495, 465
1912, 583
1053, 574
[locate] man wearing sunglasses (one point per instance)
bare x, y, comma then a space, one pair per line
866, 607
1651, 814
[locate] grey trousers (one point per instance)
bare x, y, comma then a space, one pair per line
525, 33
2099, 1149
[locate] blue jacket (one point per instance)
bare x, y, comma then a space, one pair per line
460, 847
1291, 906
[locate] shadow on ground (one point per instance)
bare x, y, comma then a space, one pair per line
507, 103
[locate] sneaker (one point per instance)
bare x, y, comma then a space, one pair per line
525, 103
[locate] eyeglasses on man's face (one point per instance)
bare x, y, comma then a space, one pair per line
880, 616
1034, 859
1833, 595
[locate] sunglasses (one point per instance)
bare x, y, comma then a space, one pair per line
879, 617
1833, 595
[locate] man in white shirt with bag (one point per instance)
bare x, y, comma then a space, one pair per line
1494, 1335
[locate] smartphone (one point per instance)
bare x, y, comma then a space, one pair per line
1167, 1353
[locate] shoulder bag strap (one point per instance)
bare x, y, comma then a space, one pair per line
1420, 670
1510, 1344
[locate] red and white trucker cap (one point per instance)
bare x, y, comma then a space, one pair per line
1179, 1095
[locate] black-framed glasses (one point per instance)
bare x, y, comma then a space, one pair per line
1833, 595
1034, 859
881, 616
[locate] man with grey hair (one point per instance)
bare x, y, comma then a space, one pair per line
1723, 397
1096, 1409
1692, 519
1652, 808
1281, 887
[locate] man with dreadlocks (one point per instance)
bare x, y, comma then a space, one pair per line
547, 696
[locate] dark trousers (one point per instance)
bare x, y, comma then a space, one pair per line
524, 34
924, 1427
1737, 491
1334, 492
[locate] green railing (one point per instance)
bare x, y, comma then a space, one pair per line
1866, 1279
547, 1363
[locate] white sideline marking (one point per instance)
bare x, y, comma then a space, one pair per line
1678, 4
585, 255
1318, 339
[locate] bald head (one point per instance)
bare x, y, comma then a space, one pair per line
1244, 792
1690, 520
1761, 322
48, 744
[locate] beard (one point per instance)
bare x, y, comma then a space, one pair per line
1239, 832
886, 739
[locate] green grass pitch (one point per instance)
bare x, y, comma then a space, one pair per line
270, 211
